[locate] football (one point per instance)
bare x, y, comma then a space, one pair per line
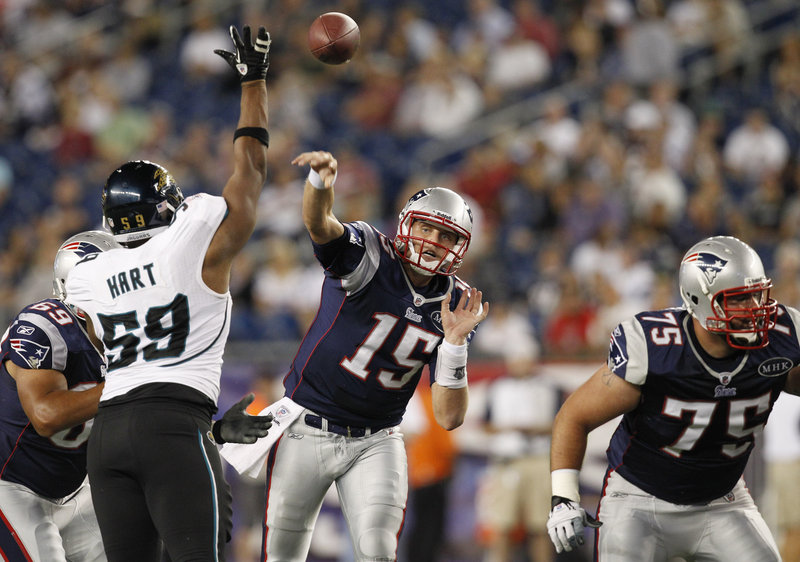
333, 38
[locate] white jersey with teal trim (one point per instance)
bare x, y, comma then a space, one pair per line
157, 319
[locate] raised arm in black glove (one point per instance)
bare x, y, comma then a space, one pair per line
250, 60
237, 426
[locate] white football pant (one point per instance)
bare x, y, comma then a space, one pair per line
371, 475
51, 530
638, 527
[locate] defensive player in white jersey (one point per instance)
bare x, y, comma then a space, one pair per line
387, 308
161, 308
695, 387
51, 377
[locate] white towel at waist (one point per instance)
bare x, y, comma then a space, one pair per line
249, 458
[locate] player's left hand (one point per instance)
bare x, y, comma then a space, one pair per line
237, 426
250, 59
566, 523
469, 312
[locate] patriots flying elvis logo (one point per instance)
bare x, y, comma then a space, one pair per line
31, 352
81, 248
708, 263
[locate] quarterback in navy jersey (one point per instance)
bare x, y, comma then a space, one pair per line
695, 387
388, 308
51, 377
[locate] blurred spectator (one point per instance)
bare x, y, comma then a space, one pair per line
678, 120
508, 336
279, 207
513, 497
657, 193
517, 64
706, 213
438, 101
205, 35
535, 24
589, 208
358, 187
67, 213
730, 32
782, 456
487, 22
755, 148
785, 79
600, 152
705, 155
584, 50
286, 291
690, 22
485, 171
764, 207
423, 38
75, 144
649, 49
431, 454
371, 106
127, 70
30, 97
612, 111
557, 132
566, 330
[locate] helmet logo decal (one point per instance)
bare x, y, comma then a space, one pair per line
81, 248
162, 178
708, 263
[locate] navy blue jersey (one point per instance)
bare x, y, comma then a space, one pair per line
688, 440
45, 335
362, 357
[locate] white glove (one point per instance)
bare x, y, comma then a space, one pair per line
566, 523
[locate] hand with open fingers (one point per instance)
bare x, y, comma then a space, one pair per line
321, 162
237, 426
566, 523
470, 311
250, 60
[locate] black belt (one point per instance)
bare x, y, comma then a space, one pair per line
347, 430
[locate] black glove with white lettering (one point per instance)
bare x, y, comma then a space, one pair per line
250, 60
237, 426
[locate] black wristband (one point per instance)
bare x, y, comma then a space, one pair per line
216, 432
258, 133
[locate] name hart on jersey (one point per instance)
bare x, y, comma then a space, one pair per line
125, 281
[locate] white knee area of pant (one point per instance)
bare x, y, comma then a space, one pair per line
378, 544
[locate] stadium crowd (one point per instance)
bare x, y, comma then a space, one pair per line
584, 206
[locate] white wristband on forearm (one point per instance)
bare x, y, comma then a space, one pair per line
316, 181
451, 365
564, 483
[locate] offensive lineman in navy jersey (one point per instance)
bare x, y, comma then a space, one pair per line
388, 307
51, 377
695, 386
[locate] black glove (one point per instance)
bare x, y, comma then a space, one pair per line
249, 60
237, 426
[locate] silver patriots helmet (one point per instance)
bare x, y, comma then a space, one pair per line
73, 250
441, 207
723, 285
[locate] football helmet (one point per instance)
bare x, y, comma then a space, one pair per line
441, 207
73, 250
139, 200
723, 285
